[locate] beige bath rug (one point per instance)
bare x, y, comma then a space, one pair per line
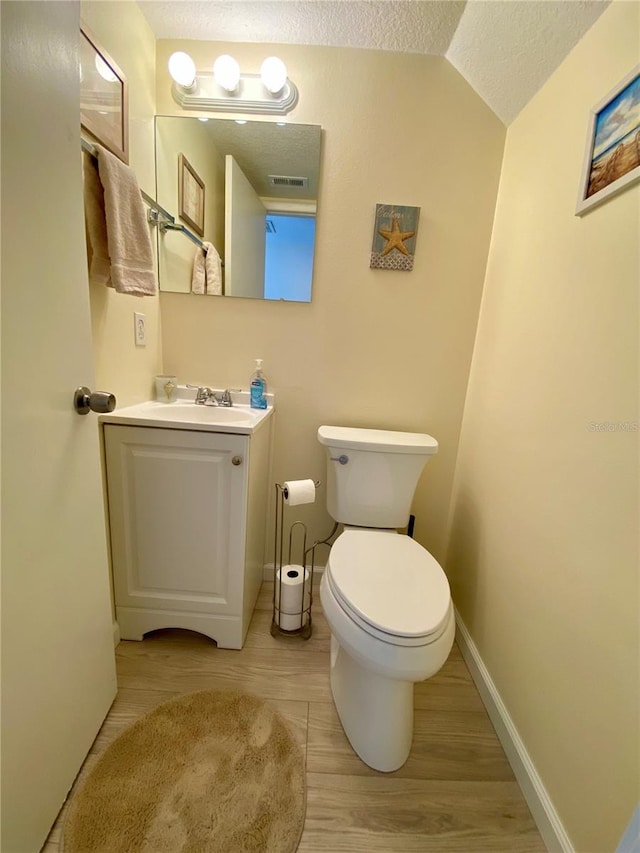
210, 772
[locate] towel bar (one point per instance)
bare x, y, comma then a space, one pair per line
157, 215
91, 149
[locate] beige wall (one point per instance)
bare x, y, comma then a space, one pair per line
543, 550
374, 347
120, 366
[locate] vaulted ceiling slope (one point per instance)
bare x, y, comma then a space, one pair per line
505, 49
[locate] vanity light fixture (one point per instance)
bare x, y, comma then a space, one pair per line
183, 69
226, 89
273, 73
226, 72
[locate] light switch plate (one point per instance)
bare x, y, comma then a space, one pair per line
140, 329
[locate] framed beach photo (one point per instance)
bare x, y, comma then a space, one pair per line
190, 195
612, 158
103, 97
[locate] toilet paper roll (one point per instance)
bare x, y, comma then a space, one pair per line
289, 598
298, 492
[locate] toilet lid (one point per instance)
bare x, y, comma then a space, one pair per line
390, 582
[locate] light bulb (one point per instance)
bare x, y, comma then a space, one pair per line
226, 72
274, 74
104, 71
182, 68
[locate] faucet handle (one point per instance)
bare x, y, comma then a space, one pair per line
203, 393
224, 399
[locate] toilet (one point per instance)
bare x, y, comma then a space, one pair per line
386, 599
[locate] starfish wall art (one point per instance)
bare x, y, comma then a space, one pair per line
394, 237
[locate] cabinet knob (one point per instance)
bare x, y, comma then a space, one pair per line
236, 460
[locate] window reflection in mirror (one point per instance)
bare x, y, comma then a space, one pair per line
289, 256
260, 203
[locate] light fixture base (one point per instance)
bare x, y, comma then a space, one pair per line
250, 96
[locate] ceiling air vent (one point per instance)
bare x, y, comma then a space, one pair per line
287, 181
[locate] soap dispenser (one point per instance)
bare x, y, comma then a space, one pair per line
258, 388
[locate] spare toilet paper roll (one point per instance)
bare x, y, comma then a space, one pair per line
298, 492
289, 584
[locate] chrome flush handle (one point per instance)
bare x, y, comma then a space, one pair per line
343, 459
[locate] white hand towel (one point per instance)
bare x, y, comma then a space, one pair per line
198, 281
207, 271
213, 270
128, 237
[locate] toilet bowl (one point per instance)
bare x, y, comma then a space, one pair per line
388, 605
386, 599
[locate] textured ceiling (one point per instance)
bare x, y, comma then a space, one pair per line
505, 49
263, 148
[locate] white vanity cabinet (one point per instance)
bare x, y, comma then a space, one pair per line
187, 516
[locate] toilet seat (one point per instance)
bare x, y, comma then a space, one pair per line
389, 585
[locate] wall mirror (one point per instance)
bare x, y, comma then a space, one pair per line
252, 187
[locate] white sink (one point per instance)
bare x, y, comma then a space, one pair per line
184, 414
204, 414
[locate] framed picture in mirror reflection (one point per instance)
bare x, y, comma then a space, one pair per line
190, 196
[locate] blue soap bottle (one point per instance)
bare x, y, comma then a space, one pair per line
258, 388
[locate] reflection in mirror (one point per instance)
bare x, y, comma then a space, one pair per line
258, 199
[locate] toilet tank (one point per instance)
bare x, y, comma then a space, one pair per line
372, 474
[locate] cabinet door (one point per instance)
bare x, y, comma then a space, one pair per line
177, 506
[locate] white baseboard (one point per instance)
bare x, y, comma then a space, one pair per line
116, 633
544, 814
267, 572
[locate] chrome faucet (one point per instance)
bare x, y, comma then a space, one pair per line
205, 396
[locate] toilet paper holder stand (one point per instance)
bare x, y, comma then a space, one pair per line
298, 621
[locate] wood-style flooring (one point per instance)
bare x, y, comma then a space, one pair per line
455, 793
